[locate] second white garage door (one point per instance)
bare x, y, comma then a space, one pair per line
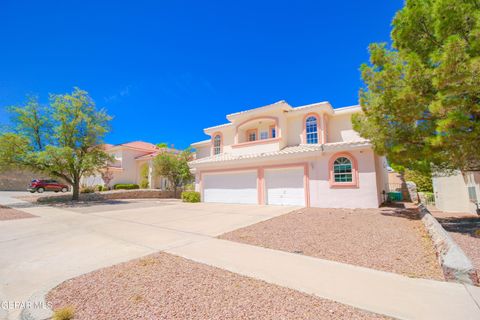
285, 187
237, 187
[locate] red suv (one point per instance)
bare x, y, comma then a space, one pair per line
47, 185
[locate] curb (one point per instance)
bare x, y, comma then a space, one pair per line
457, 267
33, 311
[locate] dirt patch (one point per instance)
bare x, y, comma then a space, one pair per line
7, 213
390, 239
163, 286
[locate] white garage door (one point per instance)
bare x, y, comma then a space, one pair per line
285, 187
238, 187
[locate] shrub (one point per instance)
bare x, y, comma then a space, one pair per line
144, 184
144, 176
87, 189
191, 196
421, 179
65, 313
126, 186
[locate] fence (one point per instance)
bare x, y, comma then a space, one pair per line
427, 198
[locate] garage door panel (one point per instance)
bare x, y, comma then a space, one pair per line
239, 187
285, 186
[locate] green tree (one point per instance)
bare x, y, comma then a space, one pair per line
421, 99
62, 139
174, 167
162, 145
144, 176
422, 179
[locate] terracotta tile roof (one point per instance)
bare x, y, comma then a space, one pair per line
147, 146
154, 154
302, 148
106, 146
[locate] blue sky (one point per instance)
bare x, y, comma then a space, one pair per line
167, 69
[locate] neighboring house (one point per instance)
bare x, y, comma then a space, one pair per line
457, 192
277, 154
128, 160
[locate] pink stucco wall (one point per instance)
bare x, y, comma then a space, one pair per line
322, 195
363, 196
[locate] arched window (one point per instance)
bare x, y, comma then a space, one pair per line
311, 130
217, 144
342, 170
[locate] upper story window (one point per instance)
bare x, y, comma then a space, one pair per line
342, 170
263, 135
217, 144
311, 129
252, 135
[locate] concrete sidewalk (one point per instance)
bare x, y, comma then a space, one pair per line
381, 292
39, 253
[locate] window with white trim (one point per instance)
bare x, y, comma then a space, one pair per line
263, 135
342, 170
311, 127
217, 144
273, 132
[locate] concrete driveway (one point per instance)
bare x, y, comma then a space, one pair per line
37, 254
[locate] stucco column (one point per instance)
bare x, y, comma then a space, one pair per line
261, 185
151, 178
323, 124
322, 127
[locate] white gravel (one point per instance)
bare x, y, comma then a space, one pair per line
391, 239
163, 286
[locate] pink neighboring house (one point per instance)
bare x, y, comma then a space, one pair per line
129, 158
281, 155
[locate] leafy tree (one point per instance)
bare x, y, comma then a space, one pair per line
422, 179
107, 176
174, 167
421, 175
162, 145
62, 139
144, 176
421, 99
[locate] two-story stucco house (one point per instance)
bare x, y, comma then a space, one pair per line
128, 160
281, 155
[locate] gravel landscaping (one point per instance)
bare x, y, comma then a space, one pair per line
7, 213
391, 239
465, 231
163, 286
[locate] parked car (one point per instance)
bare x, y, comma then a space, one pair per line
47, 185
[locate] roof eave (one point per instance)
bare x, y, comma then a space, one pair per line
279, 104
348, 110
328, 147
323, 106
201, 143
